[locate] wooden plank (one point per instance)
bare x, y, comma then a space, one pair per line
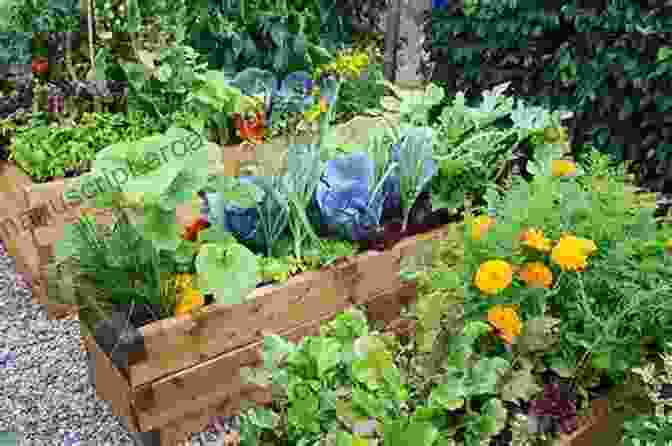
215, 381
110, 385
210, 384
176, 344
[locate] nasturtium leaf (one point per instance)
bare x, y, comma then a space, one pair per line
229, 272
157, 225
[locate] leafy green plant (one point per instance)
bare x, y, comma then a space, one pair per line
162, 82
45, 151
416, 166
304, 169
473, 151
224, 268
96, 267
343, 386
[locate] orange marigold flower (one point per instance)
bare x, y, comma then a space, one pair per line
324, 105
480, 225
505, 320
536, 274
563, 168
571, 252
493, 276
534, 238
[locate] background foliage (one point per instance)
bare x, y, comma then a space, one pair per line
607, 61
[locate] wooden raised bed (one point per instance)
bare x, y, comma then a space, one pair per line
174, 374
34, 216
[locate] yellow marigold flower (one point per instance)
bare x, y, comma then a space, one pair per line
534, 238
506, 322
480, 225
571, 252
563, 168
493, 276
190, 299
536, 274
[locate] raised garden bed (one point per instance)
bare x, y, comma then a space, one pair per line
169, 379
35, 215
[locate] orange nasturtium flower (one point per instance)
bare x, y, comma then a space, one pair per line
571, 252
191, 231
563, 168
536, 274
493, 276
189, 298
505, 320
534, 238
480, 225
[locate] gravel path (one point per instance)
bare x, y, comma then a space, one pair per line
45, 394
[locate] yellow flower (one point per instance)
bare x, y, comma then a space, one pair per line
563, 168
534, 238
480, 225
493, 276
536, 274
571, 252
668, 246
189, 298
506, 321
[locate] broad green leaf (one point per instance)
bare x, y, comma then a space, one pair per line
264, 418
157, 225
449, 395
217, 92
276, 350
664, 53
484, 374
493, 417
399, 433
521, 385
229, 272
372, 359
215, 234
233, 191
476, 329
325, 352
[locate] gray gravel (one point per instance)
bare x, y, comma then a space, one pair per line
45, 394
